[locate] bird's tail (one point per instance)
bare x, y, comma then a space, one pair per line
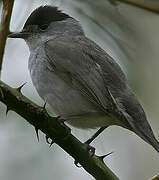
148, 136
155, 144
137, 120
143, 130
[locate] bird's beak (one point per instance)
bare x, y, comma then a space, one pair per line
21, 34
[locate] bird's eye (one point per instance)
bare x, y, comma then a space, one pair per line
43, 27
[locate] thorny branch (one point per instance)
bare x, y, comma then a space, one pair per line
58, 132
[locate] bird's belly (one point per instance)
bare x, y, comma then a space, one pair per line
63, 99
91, 120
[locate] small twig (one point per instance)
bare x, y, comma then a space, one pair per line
155, 178
141, 4
4, 26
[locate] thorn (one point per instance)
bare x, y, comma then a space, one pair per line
102, 157
76, 164
44, 106
58, 118
37, 133
20, 87
8, 109
2, 94
52, 142
47, 140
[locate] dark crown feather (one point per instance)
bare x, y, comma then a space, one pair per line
45, 15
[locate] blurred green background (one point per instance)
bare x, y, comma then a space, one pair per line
127, 33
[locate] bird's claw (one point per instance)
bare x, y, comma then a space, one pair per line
62, 120
90, 149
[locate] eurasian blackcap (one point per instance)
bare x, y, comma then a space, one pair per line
74, 75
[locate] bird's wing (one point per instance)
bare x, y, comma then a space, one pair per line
85, 67
90, 70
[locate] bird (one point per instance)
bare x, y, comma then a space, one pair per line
79, 80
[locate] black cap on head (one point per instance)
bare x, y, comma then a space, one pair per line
45, 15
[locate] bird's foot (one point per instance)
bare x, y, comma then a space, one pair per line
91, 151
62, 122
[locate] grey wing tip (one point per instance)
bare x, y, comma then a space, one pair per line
155, 144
